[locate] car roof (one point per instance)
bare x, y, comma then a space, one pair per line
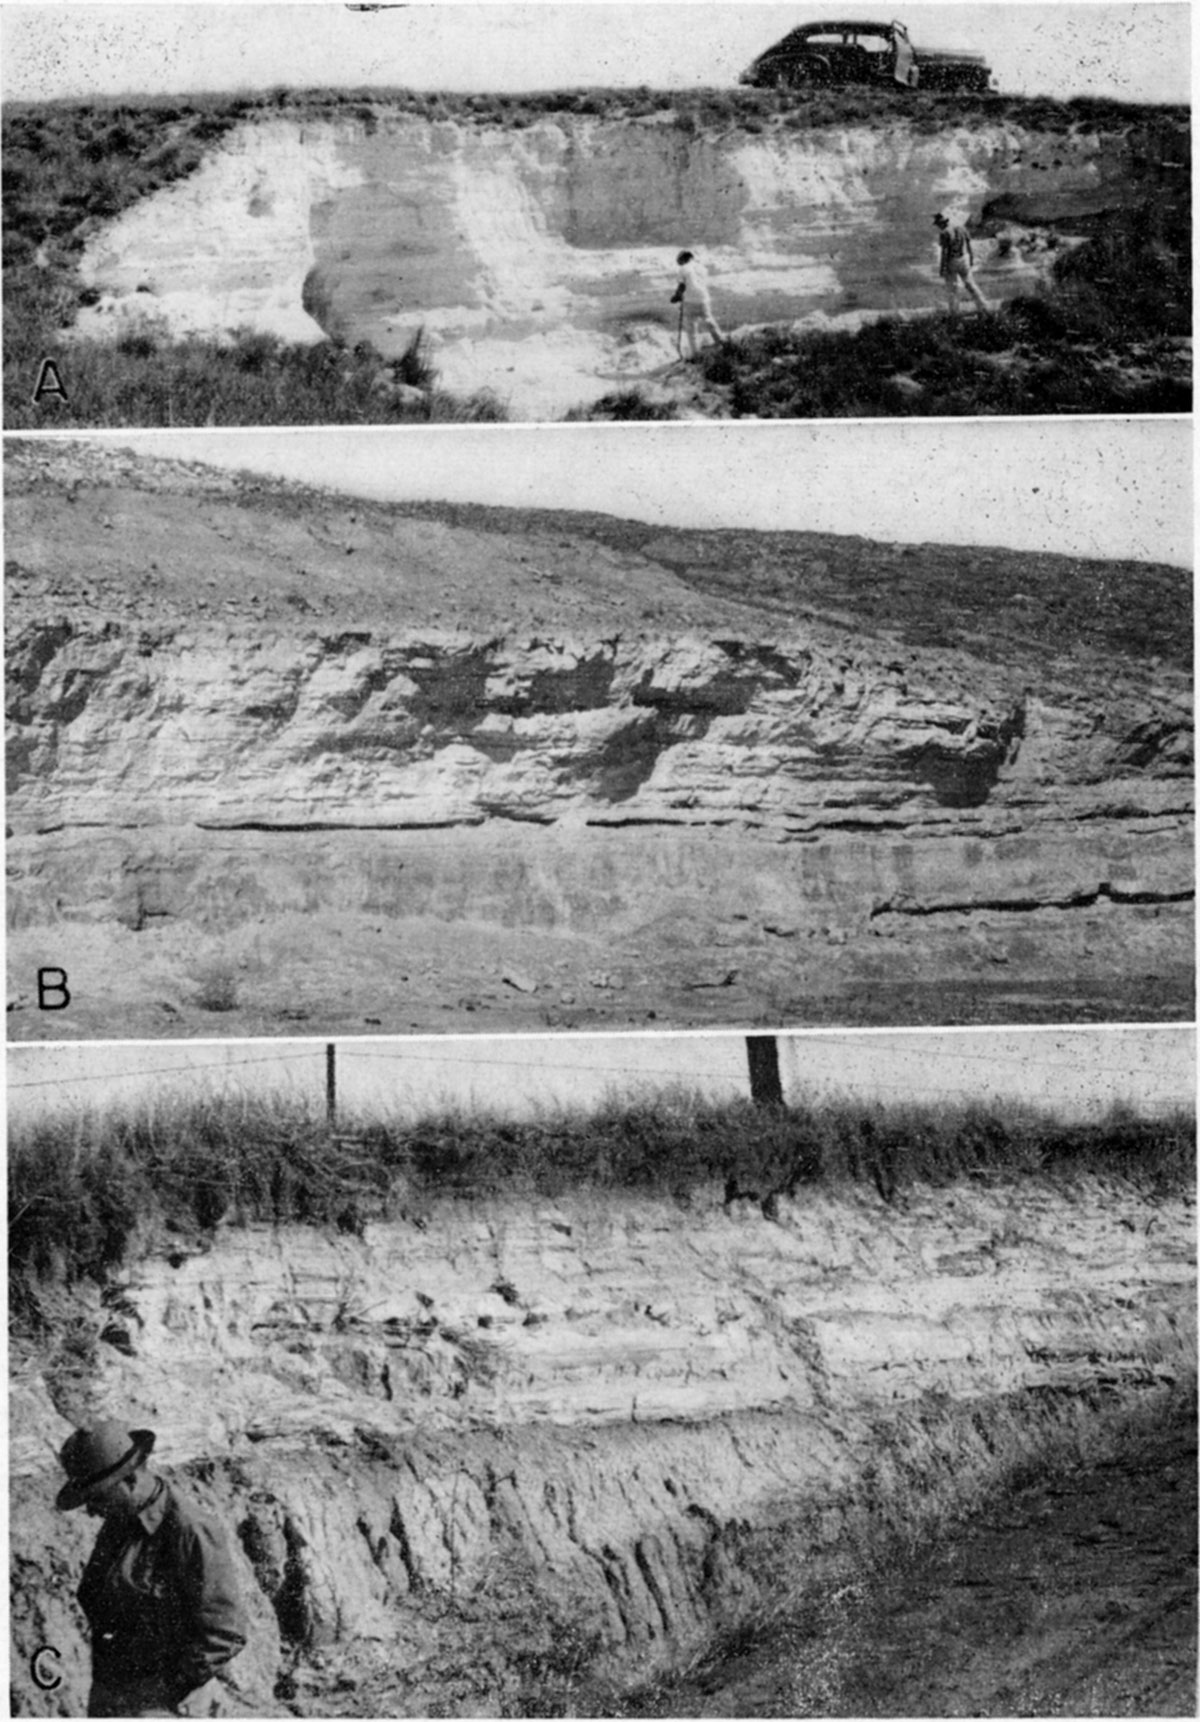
802, 32
880, 24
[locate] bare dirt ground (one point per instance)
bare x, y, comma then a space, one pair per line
292, 974
1075, 1597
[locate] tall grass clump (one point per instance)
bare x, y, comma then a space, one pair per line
87, 1188
146, 378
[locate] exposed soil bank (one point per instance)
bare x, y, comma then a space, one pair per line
690, 777
482, 1450
1071, 1597
540, 259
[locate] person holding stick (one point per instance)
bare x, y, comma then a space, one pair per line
695, 306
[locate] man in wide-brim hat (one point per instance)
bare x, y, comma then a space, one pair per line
159, 1592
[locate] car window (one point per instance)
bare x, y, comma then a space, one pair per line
827, 39
874, 44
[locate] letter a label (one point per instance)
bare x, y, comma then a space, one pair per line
49, 383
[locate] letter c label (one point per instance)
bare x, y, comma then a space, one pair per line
44, 1679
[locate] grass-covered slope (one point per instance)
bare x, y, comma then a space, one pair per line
1095, 616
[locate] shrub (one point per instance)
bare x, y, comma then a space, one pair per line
254, 351
484, 407
137, 343
625, 404
217, 987
18, 249
415, 366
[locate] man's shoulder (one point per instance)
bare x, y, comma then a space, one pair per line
182, 1513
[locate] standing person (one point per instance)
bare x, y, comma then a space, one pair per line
957, 263
691, 294
159, 1592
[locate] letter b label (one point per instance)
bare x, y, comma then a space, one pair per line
52, 989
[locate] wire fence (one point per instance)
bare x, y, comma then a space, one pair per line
540, 1060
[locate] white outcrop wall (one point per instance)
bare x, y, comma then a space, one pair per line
541, 260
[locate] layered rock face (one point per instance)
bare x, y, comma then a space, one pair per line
891, 789
540, 260
482, 1415
224, 729
225, 709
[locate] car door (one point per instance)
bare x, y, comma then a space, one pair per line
905, 68
876, 54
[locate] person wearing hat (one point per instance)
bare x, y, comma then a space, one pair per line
159, 1592
695, 306
957, 262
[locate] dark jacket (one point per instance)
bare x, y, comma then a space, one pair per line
161, 1597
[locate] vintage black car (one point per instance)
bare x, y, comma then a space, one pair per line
864, 53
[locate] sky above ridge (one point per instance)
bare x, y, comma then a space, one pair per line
1118, 489
1137, 52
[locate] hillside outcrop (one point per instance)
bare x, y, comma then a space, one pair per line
228, 709
540, 259
468, 1440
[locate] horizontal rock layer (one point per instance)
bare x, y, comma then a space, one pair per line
593, 882
512, 783
121, 728
601, 1310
